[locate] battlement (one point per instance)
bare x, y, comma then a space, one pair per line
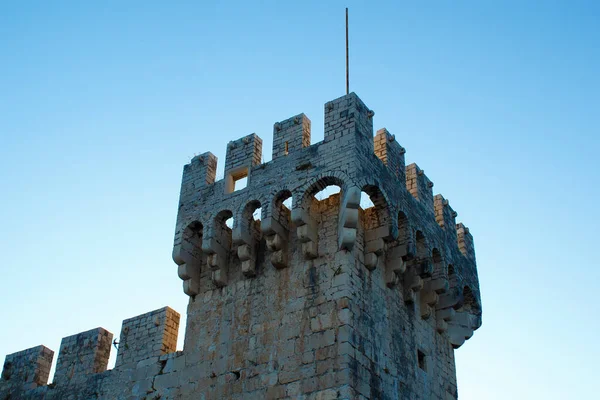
148, 335
290, 135
348, 120
316, 298
389, 151
344, 158
83, 358
83, 354
411, 235
200, 172
420, 186
26, 369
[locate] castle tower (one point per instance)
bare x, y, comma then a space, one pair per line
313, 300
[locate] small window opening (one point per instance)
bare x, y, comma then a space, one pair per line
451, 270
422, 360
229, 222
285, 151
236, 180
240, 183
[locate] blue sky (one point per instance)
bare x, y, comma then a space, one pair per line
103, 104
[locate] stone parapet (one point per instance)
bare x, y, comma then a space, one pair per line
148, 335
83, 354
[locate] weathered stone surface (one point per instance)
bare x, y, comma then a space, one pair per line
148, 335
25, 370
83, 354
321, 301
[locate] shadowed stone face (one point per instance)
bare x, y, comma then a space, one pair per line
313, 300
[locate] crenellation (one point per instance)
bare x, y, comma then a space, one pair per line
241, 156
25, 370
419, 185
465, 242
349, 121
199, 173
291, 135
445, 216
148, 335
321, 299
389, 151
83, 354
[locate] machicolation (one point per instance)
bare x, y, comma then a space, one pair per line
317, 300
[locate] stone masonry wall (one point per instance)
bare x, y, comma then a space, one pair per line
148, 335
26, 369
321, 301
83, 354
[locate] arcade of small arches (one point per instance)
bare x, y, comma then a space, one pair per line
407, 257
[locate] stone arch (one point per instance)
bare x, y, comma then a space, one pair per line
222, 216
304, 197
190, 246
399, 253
307, 225
217, 243
279, 210
228, 219
222, 229
381, 215
247, 235
247, 216
276, 226
377, 226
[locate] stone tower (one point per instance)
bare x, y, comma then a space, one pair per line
313, 300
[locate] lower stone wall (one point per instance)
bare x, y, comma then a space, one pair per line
274, 336
398, 355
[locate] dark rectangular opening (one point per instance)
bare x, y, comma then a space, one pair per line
422, 360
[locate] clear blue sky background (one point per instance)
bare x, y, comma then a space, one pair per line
102, 103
